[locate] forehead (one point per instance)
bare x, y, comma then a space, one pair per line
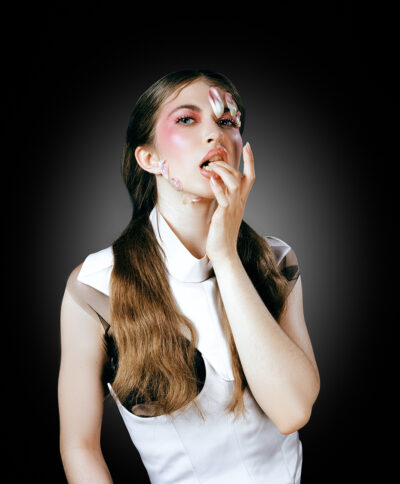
196, 91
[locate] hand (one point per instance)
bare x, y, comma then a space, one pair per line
231, 192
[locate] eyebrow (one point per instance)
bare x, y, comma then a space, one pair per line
193, 107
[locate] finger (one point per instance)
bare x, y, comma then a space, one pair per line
226, 165
248, 170
228, 178
219, 192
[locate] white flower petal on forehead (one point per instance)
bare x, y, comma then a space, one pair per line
231, 103
216, 102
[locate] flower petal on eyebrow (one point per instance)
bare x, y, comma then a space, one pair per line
216, 102
231, 103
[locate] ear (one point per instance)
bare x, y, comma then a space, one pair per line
147, 159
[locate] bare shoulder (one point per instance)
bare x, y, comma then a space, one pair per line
88, 299
76, 299
73, 285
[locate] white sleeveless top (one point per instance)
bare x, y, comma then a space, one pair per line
182, 448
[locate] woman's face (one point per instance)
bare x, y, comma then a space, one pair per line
184, 135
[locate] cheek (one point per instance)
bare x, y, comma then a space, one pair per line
172, 141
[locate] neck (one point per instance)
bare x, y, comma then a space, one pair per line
189, 222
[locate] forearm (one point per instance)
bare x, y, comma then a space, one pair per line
85, 466
280, 375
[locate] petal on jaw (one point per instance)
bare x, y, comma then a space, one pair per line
177, 183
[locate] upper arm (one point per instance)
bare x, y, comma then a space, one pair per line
80, 390
293, 323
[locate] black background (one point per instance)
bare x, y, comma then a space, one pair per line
70, 68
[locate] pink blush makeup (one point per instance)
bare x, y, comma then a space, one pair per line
173, 137
176, 142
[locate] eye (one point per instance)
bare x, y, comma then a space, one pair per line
184, 118
230, 121
224, 122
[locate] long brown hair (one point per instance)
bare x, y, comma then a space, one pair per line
154, 356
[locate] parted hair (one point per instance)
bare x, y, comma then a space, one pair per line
154, 356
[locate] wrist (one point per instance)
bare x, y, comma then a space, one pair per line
226, 262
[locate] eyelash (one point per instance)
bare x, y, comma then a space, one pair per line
233, 123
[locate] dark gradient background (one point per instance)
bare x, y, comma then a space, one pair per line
312, 78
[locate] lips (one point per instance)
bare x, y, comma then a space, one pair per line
215, 152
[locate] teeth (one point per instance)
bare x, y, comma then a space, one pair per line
214, 158
208, 168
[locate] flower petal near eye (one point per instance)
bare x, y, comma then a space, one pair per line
216, 102
231, 103
237, 119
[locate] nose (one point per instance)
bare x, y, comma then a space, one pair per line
212, 132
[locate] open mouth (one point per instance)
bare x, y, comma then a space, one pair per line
205, 164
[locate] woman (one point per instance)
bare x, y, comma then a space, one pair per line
202, 342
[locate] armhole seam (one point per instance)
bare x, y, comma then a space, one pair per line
103, 322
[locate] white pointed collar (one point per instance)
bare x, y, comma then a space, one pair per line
180, 263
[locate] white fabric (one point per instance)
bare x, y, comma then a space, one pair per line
182, 448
